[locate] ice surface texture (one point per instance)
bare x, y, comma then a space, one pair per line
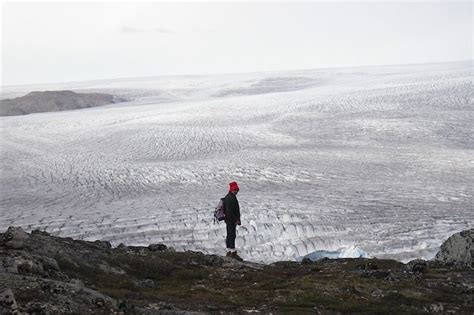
380, 158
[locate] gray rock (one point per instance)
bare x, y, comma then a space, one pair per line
7, 302
24, 265
15, 237
29, 266
457, 249
53, 287
417, 266
147, 283
50, 263
436, 308
215, 261
10, 265
377, 293
76, 283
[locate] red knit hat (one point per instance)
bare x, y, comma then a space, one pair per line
233, 186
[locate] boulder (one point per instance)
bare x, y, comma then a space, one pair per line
50, 263
417, 266
457, 249
7, 302
29, 266
15, 237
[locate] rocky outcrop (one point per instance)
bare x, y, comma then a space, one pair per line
43, 274
14, 238
51, 101
457, 250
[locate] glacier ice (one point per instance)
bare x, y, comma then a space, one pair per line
344, 252
377, 157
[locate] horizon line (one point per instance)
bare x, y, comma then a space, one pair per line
237, 73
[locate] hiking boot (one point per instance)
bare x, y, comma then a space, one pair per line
229, 254
235, 256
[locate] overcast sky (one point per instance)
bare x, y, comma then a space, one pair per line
57, 42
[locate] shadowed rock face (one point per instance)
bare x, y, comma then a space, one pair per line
457, 249
51, 101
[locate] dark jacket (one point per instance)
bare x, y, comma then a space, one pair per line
232, 209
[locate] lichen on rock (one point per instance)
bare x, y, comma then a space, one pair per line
457, 249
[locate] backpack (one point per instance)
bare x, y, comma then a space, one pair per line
219, 213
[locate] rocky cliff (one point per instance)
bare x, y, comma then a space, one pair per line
457, 249
42, 274
51, 101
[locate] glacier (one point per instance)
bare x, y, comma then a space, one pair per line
378, 159
345, 252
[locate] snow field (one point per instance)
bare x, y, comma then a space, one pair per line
369, 160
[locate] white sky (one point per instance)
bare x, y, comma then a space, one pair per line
57, 42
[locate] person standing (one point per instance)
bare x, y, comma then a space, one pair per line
232, 219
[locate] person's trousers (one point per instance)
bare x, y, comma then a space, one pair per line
230, 239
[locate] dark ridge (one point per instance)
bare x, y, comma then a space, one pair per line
52, 101
43, 274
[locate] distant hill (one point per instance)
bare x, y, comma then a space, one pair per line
52, 101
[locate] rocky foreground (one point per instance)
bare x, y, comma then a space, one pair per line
53, 101
43, 274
